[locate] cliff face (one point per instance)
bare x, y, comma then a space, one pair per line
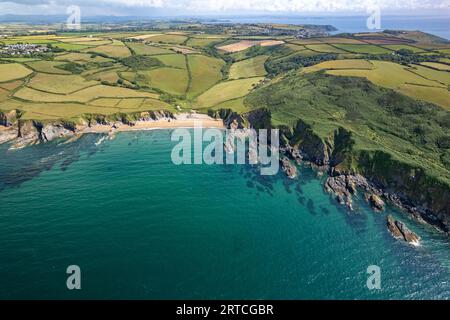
412, 185
424, 196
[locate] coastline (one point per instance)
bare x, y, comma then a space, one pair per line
166, 123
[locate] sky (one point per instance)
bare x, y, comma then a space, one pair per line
220, 7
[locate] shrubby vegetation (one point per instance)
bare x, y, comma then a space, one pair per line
141, 62
411, 131
404, 57
277, 66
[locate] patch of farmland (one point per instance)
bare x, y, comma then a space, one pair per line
110, 76
59, 84
363, 48
168, 38
105, 102
271, 43
397, 47
147, 50
4, 94
80, 39
183, 49
11, 85
387, 74
112, 50
236, 105
131, 103
340, 40
145, 36
438, 66
238, 46
81, 57
70, 46
93, 43
307, 41
173, 60
19, 59
47, 67
225, 91
340, 64
204, 72
170, 80
438, 96
325, 48
153, 104
203, 42
82, 96
295, 47
397, 77
49, 111
253, 67
13, 71
436, 75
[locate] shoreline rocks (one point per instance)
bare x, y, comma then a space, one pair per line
375, 202
401, 232
288, 168
341, 187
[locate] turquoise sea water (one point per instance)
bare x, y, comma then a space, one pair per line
140, 227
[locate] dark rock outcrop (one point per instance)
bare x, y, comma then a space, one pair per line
400, 231
339, 186
288, 168
376, 202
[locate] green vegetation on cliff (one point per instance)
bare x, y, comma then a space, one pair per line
379, 120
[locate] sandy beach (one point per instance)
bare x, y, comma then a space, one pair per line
181, 121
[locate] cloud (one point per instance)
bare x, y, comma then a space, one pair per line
222, 6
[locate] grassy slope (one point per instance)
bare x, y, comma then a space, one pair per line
411, 131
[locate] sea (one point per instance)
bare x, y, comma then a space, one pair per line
140, 227
437, 25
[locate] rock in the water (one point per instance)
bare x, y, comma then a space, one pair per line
376, 202
288, 168
339, 186
400, 231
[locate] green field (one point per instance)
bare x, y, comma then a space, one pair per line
13, 71
363, 48
60, 84
47, 67
225, 91
253, 67
112, 50
173, 60
168, 38
325, 48
418, 82
204, 72
144, 49
203, 42
170, 80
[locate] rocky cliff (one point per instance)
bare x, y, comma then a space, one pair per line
377, 173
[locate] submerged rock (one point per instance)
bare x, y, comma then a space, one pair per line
400, 231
